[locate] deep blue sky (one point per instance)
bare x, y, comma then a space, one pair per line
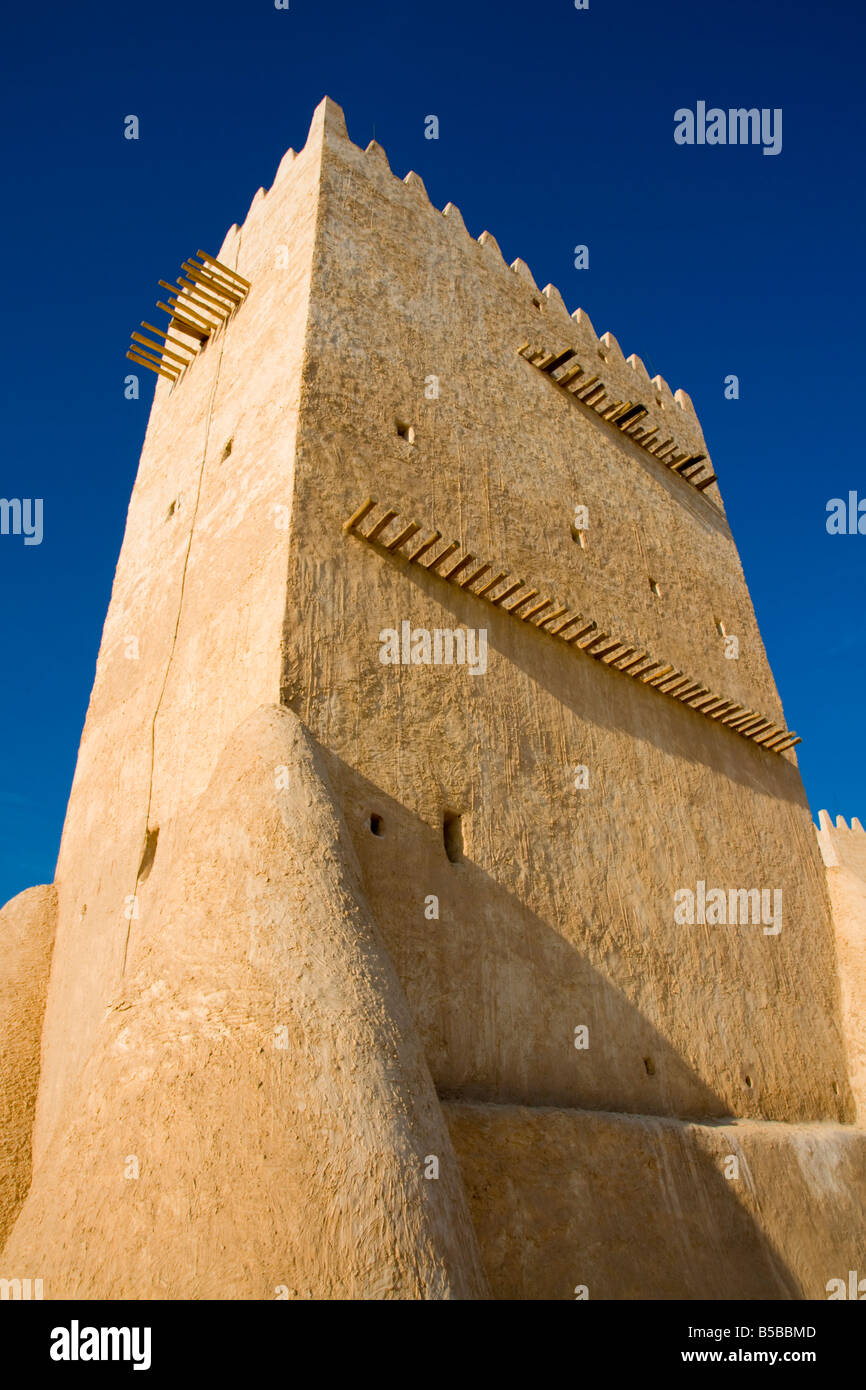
556, 129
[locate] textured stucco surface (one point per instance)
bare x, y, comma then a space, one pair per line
639, 1207
27, 926
261, 1068
561, 912
843, 849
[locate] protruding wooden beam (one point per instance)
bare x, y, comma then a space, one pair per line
380, 525
520, 602
593, 641
224, 269
422, 549
187, 327
476, 574
443, 555
512, 589
552, 617
234, 294
729, 707
175, 342
461, 565
536, 609
789, 741
366, 506
586, 386
559, 360
145, 362
659, 675
491, 583
632, 417
219, 306
570, 374
157, 347
574, 639
405, 535
563, 627
636, 661
193, 316
639, 675
175, 289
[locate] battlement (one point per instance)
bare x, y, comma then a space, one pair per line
668, 416
842, 846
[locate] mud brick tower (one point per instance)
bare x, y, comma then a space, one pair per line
367, 978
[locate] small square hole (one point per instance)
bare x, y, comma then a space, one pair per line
655, 588
377, 825
720, 628
405, 431
578, 537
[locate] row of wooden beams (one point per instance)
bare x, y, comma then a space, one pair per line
197, 306
626, 415
603, 646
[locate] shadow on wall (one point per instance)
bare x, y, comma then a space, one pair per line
619, 702
638, 1224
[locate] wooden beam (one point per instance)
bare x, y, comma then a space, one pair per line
587, 385
570, 374
728, 707
144, 362
175, 289
224, 269
520, 602
175, 342
632, 418
476, 574
659, 675
563, 627
461, 565
220, 311
443, 555
559, 360
538, 608
193, 316
599, 637
157, 347
380, 526
581, 632
639, 675
491, 583
422, 549
552, 617
358, 516
188, 327
221, 302
233, 294
507, 593
406, 534
635, 661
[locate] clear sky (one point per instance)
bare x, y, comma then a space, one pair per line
556, 129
